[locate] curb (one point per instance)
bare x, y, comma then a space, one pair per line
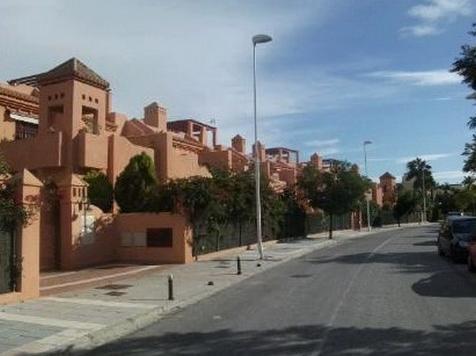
125, 327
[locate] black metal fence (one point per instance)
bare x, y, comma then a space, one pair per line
318, 222
7, 261
292, 226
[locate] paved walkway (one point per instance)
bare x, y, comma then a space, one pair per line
88, 318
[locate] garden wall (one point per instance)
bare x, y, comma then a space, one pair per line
153, 238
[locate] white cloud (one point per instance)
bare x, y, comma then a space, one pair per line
329, 151
449, 175
420, 78
425, 157
322, 143
432, 15
420, 30
435, 10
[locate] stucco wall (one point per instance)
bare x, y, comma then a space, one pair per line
7, 126
28, 241
121, 150
37, 152
132, 228
92, 151
185, 164
218, 159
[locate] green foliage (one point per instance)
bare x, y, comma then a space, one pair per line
465, 200
445, 199
470, 154
420, 170
135, 185
308, 183
11, 213
405, 204
336, 192
465, 66
100, 190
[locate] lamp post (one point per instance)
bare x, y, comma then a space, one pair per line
423, 217
257, 40
367, 175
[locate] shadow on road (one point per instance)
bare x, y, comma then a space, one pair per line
425, 243
447, 284
404, 262
456, 339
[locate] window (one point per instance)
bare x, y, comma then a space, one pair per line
90, 119
25, 130
160, 237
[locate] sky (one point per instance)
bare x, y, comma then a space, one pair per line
337, 73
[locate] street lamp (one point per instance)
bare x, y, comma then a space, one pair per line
256, 40
367, 175
423, 217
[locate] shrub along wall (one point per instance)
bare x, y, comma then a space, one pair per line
293, 225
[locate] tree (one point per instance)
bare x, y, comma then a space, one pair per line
241, 205
465, 66
465, 200
335, 192
405, 204
308, 183
470, 154
420, 171
135, 184
100, 190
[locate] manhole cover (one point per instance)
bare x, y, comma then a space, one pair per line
115, 286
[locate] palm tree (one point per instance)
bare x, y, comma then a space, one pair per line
420, 170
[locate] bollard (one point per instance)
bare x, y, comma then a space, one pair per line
171, 287
238, 265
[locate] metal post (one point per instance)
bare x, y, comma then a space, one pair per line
238, 265
171, 287
423, 217
367, 175
257, 165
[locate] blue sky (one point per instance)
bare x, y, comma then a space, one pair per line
337, 72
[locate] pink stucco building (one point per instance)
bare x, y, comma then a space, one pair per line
57, 125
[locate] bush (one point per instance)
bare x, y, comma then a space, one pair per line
11, 213
100, 190
136, 184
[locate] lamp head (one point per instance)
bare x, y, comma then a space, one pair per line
367, 142
261, 39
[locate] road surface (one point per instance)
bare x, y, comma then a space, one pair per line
385, 294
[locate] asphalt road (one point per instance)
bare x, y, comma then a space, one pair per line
386, 294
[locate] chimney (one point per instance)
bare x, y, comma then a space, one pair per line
261, 152
316, 161
156, 116
239, 144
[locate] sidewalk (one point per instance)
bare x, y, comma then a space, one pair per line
75, 321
